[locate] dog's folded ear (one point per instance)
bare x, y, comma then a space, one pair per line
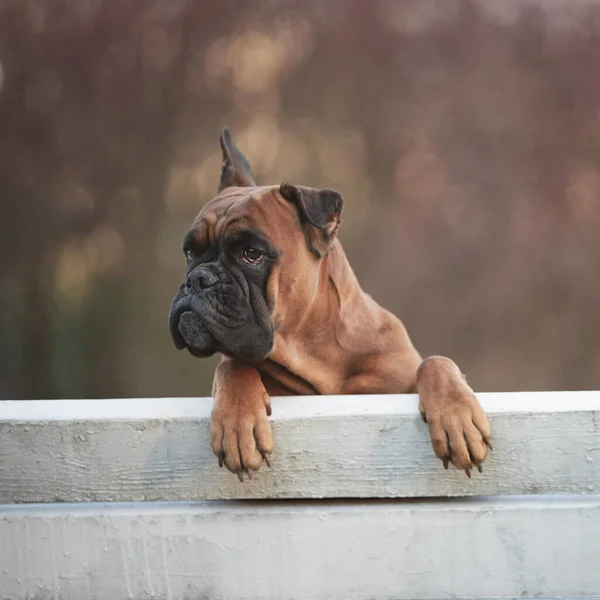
235, 170
320, 211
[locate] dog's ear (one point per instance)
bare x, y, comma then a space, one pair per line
235, 170
320, 211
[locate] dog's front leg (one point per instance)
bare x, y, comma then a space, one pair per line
459, 429
240, 432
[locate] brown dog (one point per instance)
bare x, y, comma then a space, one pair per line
269, 286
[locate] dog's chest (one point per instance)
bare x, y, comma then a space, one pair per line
282, 377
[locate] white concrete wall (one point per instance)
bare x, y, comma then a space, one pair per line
326, 447
518, 543
453, 548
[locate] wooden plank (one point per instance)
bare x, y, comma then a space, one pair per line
326, 447
449, 548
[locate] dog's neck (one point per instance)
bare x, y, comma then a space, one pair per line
317, 349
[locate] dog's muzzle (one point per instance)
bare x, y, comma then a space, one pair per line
187, 328
216, 310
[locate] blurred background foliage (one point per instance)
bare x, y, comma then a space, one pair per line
464, 135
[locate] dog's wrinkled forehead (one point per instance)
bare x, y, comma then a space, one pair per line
258, 208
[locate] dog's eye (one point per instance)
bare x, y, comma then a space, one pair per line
188, 256
252, 256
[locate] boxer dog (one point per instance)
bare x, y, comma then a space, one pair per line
269, 287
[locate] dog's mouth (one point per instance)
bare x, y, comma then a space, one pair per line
235, 330
188, 330
197, 338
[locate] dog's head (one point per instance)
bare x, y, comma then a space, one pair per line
253, 259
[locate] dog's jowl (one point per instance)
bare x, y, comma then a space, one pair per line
269, 287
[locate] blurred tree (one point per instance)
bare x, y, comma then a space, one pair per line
464, 135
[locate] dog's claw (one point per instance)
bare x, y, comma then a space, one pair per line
220, 457
240, 476
480, 467
445, 462
488, 443
250, 474
468, 472
267, 458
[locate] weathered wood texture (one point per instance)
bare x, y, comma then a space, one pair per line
430, 549
326, 447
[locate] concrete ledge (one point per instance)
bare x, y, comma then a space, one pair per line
431, 549
326, 447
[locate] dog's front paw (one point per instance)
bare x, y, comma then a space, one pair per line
459, 429
241, 436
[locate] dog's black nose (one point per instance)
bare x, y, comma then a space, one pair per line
200, 279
